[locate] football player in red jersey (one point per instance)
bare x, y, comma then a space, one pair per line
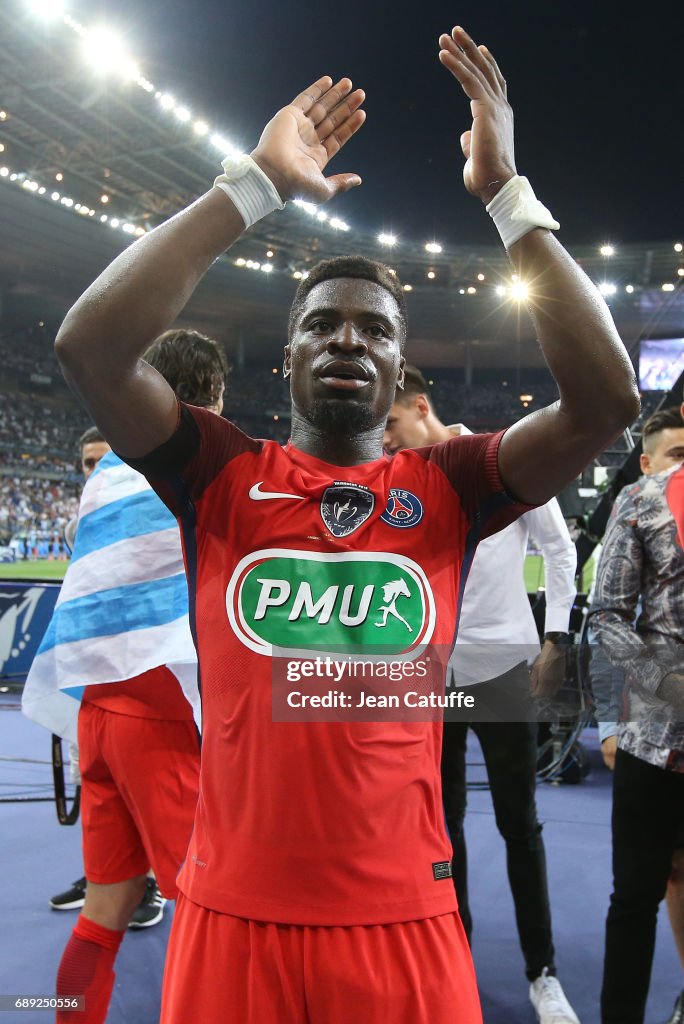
316, 886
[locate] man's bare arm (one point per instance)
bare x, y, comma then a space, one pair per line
104, 335
546, 450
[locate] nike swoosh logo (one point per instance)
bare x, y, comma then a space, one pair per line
256, 494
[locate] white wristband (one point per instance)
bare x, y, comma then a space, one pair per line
516, 211
251, 191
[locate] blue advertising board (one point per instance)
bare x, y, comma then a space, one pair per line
25, 612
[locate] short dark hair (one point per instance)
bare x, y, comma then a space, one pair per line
91, 436
414, 384
348, 266
665, 419
193, 364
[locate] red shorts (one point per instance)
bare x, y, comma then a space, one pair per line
140, 779
227, 970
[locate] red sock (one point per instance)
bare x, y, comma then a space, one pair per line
86, 969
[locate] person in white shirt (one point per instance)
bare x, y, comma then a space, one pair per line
497, 639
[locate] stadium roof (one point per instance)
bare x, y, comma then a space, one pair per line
121, 138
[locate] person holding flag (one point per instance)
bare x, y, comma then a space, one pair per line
122, 620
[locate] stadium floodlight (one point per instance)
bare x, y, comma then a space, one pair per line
433, 247
680, 271
408, 287
266, 268
200, 127
431, 275
48, 10
166, 101
629, 288
340, 225
480, 277
105, 52
183, 114
607, 288
668, 287
472, 290
519, 291
304, 204
678, 247
385, 239
500, 290
607, 250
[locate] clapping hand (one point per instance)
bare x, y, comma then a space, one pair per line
297, 144
488, 145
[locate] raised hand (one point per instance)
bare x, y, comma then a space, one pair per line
296, 145
488, 146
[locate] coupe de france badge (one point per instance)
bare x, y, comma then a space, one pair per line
345, 507
403, 509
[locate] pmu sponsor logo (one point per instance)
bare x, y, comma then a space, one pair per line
279, 598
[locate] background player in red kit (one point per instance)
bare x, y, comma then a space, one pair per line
316, 885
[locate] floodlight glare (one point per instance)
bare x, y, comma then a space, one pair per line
433, 247
386, 239
519, 291
500, 290
607, 250
104, 51
48, 10
607, 288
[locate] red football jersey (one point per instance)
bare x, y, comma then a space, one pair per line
319, 823
675, 499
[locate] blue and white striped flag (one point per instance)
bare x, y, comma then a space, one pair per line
123, 606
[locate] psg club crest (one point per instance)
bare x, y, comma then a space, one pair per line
403, 509
345, 507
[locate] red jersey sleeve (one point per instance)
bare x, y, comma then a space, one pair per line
675, 499
183, 467
471, 465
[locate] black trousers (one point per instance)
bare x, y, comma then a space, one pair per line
510, 753
648, 816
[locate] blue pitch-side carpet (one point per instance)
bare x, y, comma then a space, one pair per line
38, 858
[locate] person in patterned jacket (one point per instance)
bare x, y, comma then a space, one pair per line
641, 561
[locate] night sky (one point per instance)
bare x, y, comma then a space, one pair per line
597, 94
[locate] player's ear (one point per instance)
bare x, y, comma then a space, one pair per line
287, 362
422, 405
644, 464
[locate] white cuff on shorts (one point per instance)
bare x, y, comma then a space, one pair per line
252, 192
516, 211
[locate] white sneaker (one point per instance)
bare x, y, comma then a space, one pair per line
548, 999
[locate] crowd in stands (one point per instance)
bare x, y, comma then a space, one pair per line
41, 422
